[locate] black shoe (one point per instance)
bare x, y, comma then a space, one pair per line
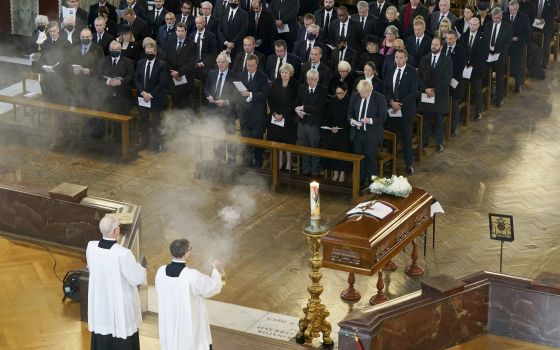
439, 148
409, 170
545, 66
499, 103
478, 116
453, 134
158, 148
517, 89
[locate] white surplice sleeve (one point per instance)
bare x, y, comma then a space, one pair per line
207, 286
134, 273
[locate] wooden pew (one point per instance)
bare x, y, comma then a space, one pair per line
274, 147
56, 108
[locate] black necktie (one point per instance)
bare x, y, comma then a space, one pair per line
342, 33
327, 22
230, 17
434, 62
279, 65
179, 45
184, 19
307, 53
340, 55
148, 73
471, 41
205, 20
448, 51
114, 62
362, 22
156, 17
397, 83
250, 78
417, 43
217, 90
511, 19
364, 107
493, 39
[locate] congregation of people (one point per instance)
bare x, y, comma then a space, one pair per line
310, 73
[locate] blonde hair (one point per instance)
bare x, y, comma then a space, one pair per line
364, 86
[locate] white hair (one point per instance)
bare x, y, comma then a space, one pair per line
312, 73
41, 19
108, 224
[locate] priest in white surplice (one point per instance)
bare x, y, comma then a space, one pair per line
183, 319
113, 300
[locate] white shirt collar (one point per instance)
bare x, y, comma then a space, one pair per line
181, 261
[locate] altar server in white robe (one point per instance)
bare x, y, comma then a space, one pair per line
114, 313
183, 319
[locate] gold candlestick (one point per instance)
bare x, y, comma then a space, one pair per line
314, 320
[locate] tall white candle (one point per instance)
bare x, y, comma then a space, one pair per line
314, 198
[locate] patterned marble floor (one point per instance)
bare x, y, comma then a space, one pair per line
505, 163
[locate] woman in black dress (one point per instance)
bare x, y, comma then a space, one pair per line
282, 125
371, 74
130, 48
338, 137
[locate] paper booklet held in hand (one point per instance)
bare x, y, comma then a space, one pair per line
372, 208
239, 86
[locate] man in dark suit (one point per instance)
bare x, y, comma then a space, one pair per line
181, 58
343, 53
117, 76
435, 74
409, 12
458, 56
233, 28
285, 13
205, 42
325, 17
368, 22
476, 45
378, 8
70, 31
281, 56
308, 20
437, 16
54, 48
400, 89
252, 109
212, 21
419, 44
344, 27
261, 27
547, 10
138, 26
82, 64
222, 95
248, 49
101, 37
311, 100
132, 4
303, 48
367, 112
151, 80
93, 12
155, 18
166, 33
500, 35
186, 16
325, 73
521, 29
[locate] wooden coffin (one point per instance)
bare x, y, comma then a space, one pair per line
364, 244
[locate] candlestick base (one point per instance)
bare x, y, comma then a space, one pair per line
314, 321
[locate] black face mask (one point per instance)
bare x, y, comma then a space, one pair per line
69, 28
85, 41
150, 56
115, 54
41, 28
342, 47
233, 5
311, 36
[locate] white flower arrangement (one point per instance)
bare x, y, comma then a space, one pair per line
395, 186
